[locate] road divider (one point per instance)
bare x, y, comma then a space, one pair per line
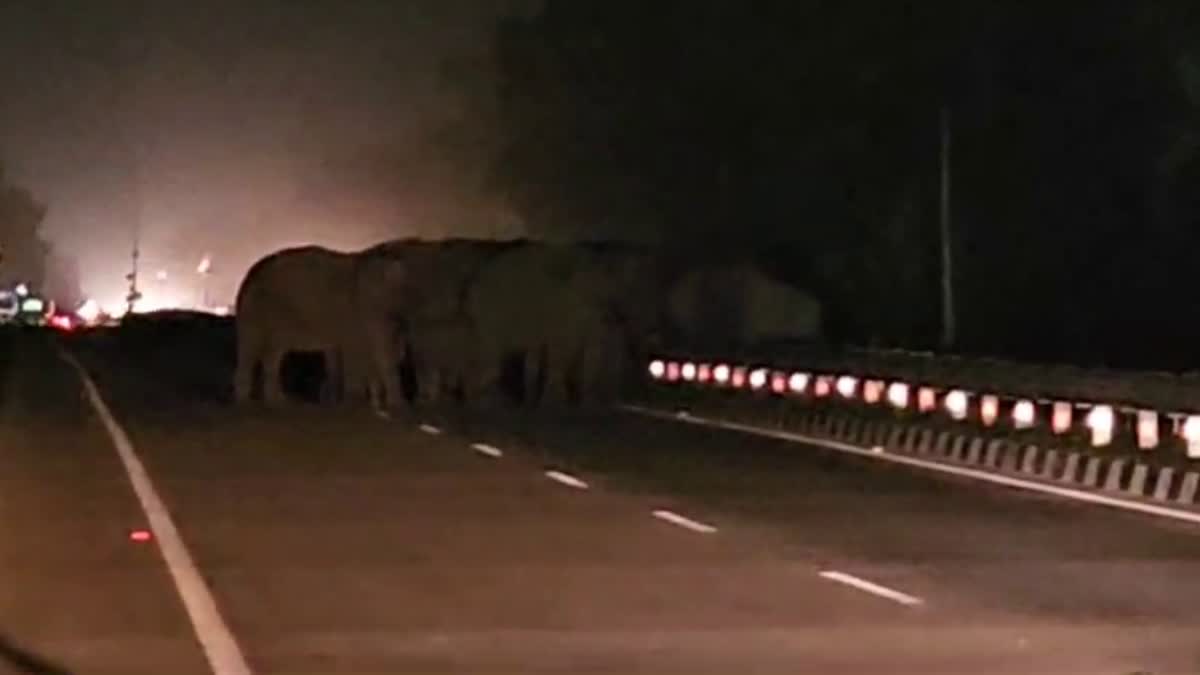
566, 479
871, 587
686, 523
1067, 475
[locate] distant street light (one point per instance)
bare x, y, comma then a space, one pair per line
204, 269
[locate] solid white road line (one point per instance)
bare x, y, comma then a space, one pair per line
870, 587
430, 429
964, 472
676, 519
220, 648
485, 449
566, 479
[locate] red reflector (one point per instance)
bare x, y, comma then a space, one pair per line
672, 371
778, 383
822, 387
140, 536
739, 377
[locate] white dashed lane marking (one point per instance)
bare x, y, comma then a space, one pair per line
871, 587
681, 521
566, 479
485, 449
430, 429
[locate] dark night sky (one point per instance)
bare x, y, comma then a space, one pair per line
215, 126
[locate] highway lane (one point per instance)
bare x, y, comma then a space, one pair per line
335, 542
983, 556
76, 593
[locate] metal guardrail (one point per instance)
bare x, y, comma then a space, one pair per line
936, 395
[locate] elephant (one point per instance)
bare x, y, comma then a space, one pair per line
737, 306
421, 305
543, 302
295, 299
444, 355
630, 282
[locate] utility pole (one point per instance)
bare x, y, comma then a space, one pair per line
948, 318
134, 294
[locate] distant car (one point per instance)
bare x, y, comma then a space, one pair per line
33, 311
10, 306
64, 322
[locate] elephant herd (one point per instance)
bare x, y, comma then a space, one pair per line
576, 317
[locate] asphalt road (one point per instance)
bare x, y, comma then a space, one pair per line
333, 542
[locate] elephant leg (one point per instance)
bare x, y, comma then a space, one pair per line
601, 369
331, 388
533, 370
429, 384
353, 376
243, 378
272, 384
480, 376
556, 368
389, 392
386, 389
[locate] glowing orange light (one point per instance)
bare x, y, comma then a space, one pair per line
1101, 420
823, 386
926, 399
688, 371
738, 379
721, 373
778, 383
1147, 429
758, 378
1060, 423
956, 404
989, 409
657, 369
846, 385
1191, 434
1023, 414
797, 382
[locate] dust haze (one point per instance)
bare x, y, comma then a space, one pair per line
237, 129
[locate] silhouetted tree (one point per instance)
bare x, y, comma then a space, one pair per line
22, 249
806, 134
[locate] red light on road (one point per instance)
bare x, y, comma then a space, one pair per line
140, 536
